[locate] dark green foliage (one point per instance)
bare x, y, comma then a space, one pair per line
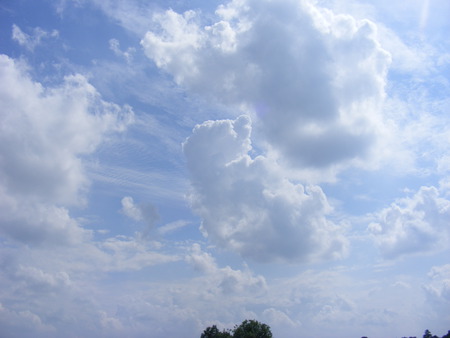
252, 329
447, 335
247, 329
213, 332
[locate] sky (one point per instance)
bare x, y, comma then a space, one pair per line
171, 165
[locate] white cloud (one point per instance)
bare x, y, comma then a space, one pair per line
31, 41
114, 45
73, 289
407, 58
23, 323
279, 318
125, 254
413, 224
343, 301
225, 280
132, 15
42, 281
248, 206
173, 226
313, 81
39, 223
45, 133
131, 210
240, 282
439, 285
437, 291
200, 260
175, 48
48, 290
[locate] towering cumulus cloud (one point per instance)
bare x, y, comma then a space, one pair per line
248, 206
312, 81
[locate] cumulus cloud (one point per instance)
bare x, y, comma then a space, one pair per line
39, 223
29, 323
313, 81
247, 205
45, 133
419, 223
224, 280
200, 260
42, 281
130, 209
31, 41
437, 290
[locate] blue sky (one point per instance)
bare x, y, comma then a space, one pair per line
170, 165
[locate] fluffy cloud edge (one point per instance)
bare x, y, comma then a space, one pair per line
412, 225
302, 90
45, 135
248, 206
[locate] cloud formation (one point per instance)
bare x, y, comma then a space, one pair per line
248, 206
114, 45
45, 133
312, 81
139, 212
419, 223
310, 84
224, 280
31, 41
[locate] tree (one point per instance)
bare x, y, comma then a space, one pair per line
428, 334
447, 335
213, 332
252, 329
247, 329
